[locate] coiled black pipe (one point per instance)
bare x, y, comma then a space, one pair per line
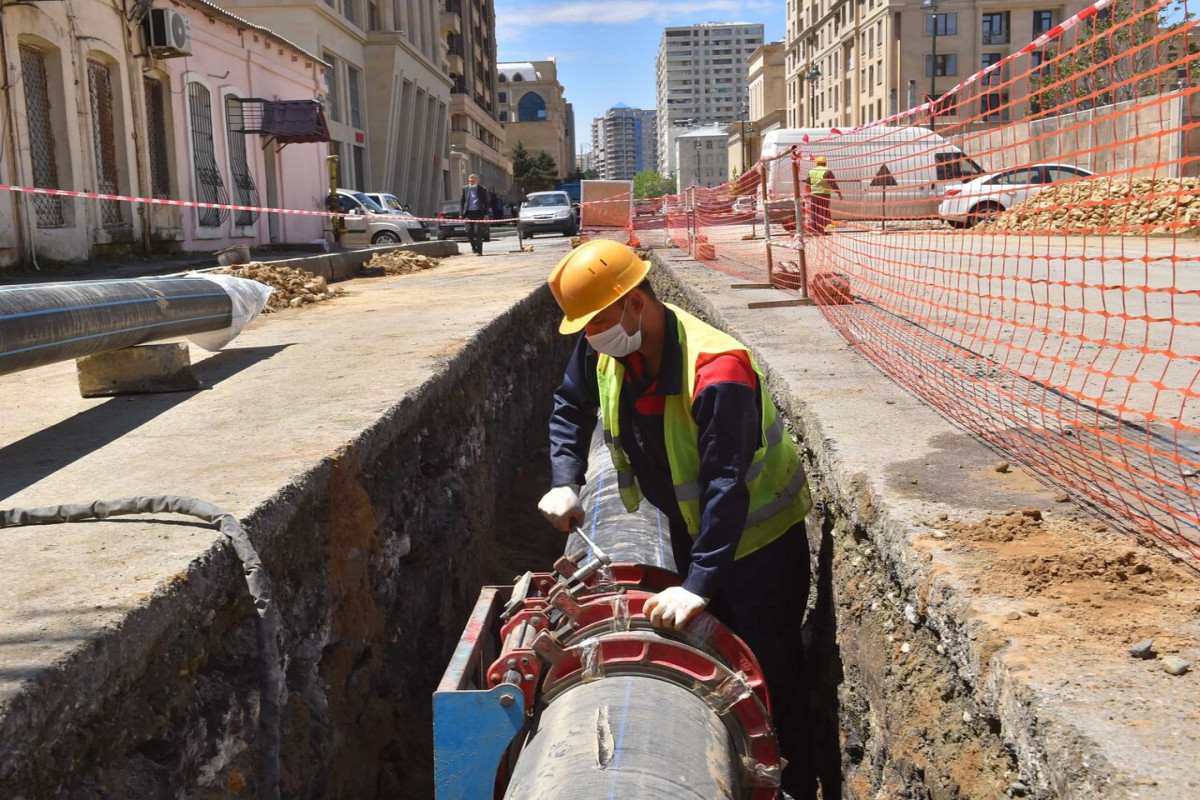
267, 623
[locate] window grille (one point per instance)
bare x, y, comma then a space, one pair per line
49, 209
156, 130
244, 191
104, 139
209, 187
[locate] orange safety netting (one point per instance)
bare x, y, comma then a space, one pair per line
1027, 260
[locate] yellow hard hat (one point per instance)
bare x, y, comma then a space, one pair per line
820, 159
592, 277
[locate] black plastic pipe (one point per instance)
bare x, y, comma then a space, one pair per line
44, 323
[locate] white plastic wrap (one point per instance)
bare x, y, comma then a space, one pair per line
249, 298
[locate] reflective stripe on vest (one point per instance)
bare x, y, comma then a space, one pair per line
779, 495
816, 179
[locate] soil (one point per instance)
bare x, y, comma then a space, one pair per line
1082, 584
293, 287
398, 262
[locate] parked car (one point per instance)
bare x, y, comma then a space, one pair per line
450, 224
745, 203
547, 212
982, 198
395, 208
366, 221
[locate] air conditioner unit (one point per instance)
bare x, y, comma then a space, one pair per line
168, 33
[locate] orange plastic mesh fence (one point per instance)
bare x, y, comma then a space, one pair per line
1023, 253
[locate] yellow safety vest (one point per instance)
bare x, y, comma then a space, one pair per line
779, 493
816, 179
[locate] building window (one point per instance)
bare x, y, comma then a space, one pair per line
531, 108
504, 116
503, 78
41, 136
995, 27
947, 24
360, 168
372, 15
517, 78
355, 106
333, 101
104, 139
1042, 22
946, 65
350, 10
503, 97
209, 186
156, 136
994, 106
995, 77
244, 191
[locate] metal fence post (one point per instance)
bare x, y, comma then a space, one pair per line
766, 223
799, 211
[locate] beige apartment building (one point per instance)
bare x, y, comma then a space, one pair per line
767, 106
701, 157
535, 112
388, 89
849, 63
476, 135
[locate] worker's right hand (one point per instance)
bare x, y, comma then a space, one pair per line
561, 506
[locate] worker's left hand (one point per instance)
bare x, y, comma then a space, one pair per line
673, 608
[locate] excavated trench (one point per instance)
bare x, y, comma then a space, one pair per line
376, 559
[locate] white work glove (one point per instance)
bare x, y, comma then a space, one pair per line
673, 608
561, 506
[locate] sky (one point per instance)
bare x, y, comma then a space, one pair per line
605, 49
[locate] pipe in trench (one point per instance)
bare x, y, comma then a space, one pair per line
626, 736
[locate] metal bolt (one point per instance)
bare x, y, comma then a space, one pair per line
507, 700
495, 677
529, 676
525, 661
512, 662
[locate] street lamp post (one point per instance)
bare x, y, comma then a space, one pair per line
743, 113
812, 77
696, 180
931, 6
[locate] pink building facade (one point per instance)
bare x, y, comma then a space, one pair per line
114, 111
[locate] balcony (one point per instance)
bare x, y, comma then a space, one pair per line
454, 64
996, 37
451, 23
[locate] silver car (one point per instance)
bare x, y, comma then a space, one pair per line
395, 208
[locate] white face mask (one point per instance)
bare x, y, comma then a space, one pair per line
615, 341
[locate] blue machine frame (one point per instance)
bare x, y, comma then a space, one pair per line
473, 727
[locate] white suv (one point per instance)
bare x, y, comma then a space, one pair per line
546, 212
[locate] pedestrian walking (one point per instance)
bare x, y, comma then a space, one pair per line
474, 205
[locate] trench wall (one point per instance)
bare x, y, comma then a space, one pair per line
376, 556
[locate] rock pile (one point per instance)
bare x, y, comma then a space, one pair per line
293, 287
398, 262
1107, 205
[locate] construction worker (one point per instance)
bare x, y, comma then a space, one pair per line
821, 184
692, 429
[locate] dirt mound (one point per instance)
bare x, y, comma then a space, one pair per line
1131, 206
398, 262
293, 287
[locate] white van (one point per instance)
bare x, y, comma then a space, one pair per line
892, 171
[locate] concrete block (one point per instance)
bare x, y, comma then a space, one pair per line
144, 369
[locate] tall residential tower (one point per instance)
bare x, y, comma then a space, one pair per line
701, 77
625, 142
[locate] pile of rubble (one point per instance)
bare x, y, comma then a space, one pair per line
1107, 204
293, 287
398, 262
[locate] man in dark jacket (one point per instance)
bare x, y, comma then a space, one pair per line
474, 205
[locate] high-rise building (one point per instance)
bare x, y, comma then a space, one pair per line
701, 79
534, 111
626, 141
476, 135
849, 63
387, 92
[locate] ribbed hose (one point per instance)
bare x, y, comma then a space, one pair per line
267, 624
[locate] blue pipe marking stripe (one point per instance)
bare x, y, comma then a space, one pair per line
25, 287
110, 304
111, 333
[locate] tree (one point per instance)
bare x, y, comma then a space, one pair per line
649, 183
1114, 58
577, 174
533, 172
